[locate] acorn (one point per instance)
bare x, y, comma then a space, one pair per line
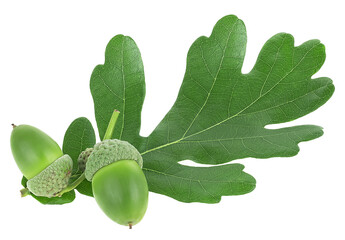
118, 183
41, 161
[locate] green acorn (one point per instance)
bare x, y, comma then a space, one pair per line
118, 183
41, 161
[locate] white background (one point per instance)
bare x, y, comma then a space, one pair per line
47, 53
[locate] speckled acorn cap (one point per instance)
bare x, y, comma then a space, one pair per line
52, 179
82, 159
110, 151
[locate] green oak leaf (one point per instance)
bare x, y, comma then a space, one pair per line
220, 113
79, 136
126, 94
65, 198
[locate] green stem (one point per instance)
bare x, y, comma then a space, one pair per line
108, 135
24, 192
72, 186
111, 125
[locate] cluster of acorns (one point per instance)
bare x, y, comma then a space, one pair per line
113, 166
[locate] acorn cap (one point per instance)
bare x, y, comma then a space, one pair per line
82, 159
52, 179
110, 151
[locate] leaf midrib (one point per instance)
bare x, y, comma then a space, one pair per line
124, 89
